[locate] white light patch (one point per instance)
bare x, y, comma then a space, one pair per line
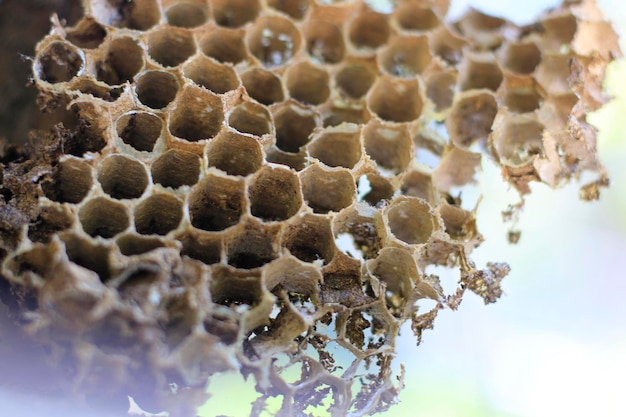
345, 242
363, 187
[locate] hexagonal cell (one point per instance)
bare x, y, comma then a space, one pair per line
411, 220
324, 41
274, 40
521, 57
337, 146
251, 118
308, 83
294, 124
457, 222
414, 15
405, 56
87, 34
87, 136
158, 214
553, 74
380, 189
49, 222
518, 140
187, 13
198, 114
521, 95
339, 113
235, 154
558, 30
216, 203
203, 246
139, 14
296, 161
418, 184
327, 189
131, 244
251, 247
98, 89
369, 30
176, 168
310, 238
395, 99
263, 86
354, 79
59, 62
156, 89
485, 30
365, 231
274, 194
123, 61
235, 288
447, 45
470, 118
235, 13
71, 181
207, 73
122, 177
104, 217
87, 254
440, 88
139, 129
480, 71
388, 145
397, 269
171, 46
295, 8
224, 45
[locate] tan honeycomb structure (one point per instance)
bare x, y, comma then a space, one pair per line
185, 220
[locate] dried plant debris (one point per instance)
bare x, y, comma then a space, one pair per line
183, 221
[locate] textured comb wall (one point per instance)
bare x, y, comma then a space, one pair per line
188, 222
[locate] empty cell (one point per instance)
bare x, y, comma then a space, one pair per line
440, 88
198, 114
410, 220
457, 222
87, 254
396, 99
355, 79
251, 247
324, 41
559, 31
234, 288
369, 30
294, 124
71, 181
418, 184
338, 114
123, 61
158, 214
59, 62
470, 118
176, 168
187, 13
140, 130
380, 189
521, 94
216, 203
103, 217
98, 90
251, 118
87, 34
215, 77
308, 83
294, 8
388, 145
171, 46
235, 13
518, 140
447, 45
262, 85
49, 222
138, 14
131, 244
274, 40
156, 89
310, 239
360, 232
337, 146
396, 268
235, 154
405, 56
296, 161
224, 45
274, 194
480, 71
553, 73
86, 136
327, 189
122, 177
203, 246
521, 57
415, 15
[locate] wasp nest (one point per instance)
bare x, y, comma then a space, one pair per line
185, 219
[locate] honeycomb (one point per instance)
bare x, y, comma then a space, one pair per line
191, 214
